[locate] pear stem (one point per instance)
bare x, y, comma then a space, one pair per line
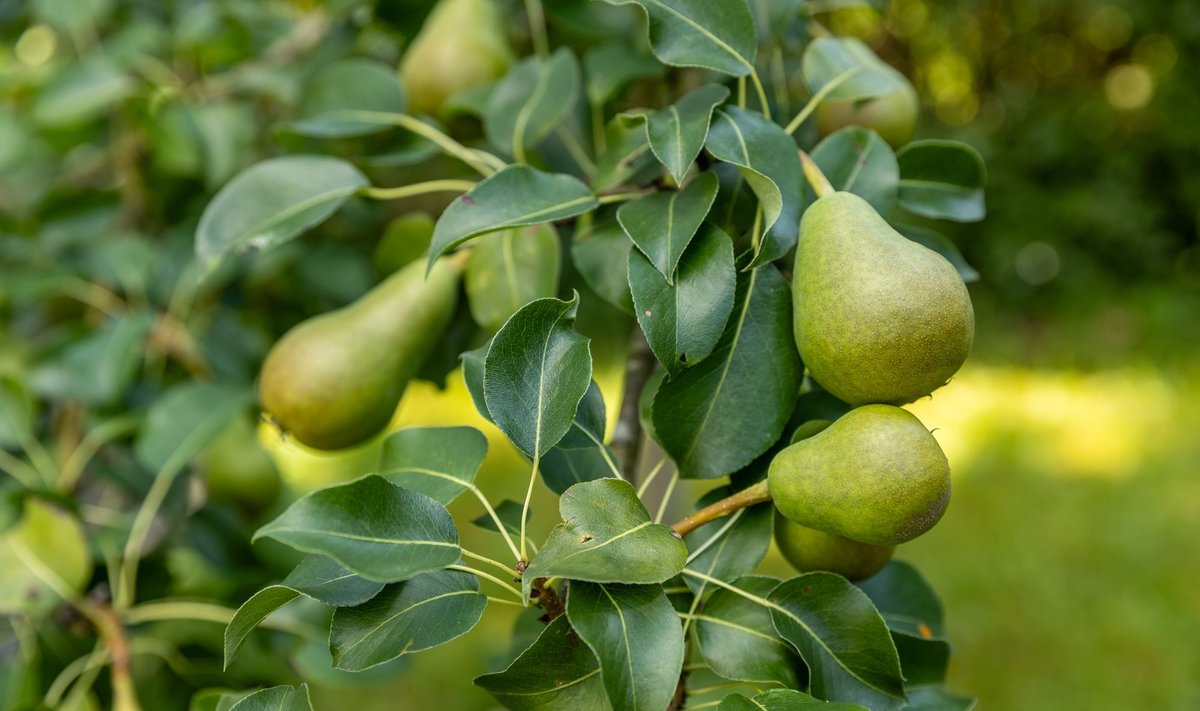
746, 497
820, 184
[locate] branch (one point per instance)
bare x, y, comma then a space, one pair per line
627, 437
746, 497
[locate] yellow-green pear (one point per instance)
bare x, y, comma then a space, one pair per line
876, 475
304, 469
461, 46
808, 549
878, 318
334, 380
237, 468
893, 115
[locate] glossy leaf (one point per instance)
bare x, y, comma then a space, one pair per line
635, 634
537, 370
677, 133
731, 546
508, 269
611, 67
782, 700
715, 418
531, 100
856, 160
942, 180
827, 58
738, 639
913, 613
841, 637
770, 161
684, 322
563, 468
517, 195
600, 251
587, 430
423, 612
272, 202
663, 224
607, 536
376, 529
353, 84
694, 33
509, 512
931, 698
440, 462
276, 698
185, 420
557, 673
941, 244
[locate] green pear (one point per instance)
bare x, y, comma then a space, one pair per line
236, 467
508, 269
461, 46
893, 115
876, 475
808, 549
878, 318
334, 380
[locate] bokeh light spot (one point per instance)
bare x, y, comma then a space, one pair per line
36, 45
1037, 263
1129, 86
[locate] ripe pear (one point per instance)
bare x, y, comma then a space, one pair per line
808, 549
893, 115
334, 380
461, 46
878, 318
876, 475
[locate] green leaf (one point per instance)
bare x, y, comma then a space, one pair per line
440, 462
610, 67
510, 268
941, 244
537, 370
276, 698
600, 250
44, 552
856, 160
684, 322
423, 612
770, 161
663, 224
514, 196
729, 547
472, 368
82, 91
563, 468
376, 529
509, 512
607, 536
272, 202
913, 613
942, 180
16, 412
531, 100
587, 430
695, 33
354, 84
928, 698
100, 368
738, 640
782, 700
185, 420
715, 418
316, 577
677, 133
827, 58
557, 673
841, 637
635, 634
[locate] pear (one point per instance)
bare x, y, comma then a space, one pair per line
238, 469
461, 46
893, 115
878, 318
808, 549
876, 475
334, 380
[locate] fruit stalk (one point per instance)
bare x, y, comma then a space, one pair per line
746, 497
820, 184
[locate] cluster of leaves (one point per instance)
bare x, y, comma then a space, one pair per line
136, 350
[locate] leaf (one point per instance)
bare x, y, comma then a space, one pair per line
16, 412
272, 202
942, 180
587, 430
537, 370
827, 58
715, 418
353, 84
610, 67
276, 698
100, 368
316, 577
635, 634
729, 547
696, 33
45, 552
664, 223
941, 244
509, 512
841, 637
531, 100
782, 700
513, 196
738, 640
607, 536
927, 698
677, 133
423, 612
376, 529
557, 673
184, 421
510, 268
684, 322
856, 160
770, 161
440, 462
82, 91
472, 369
563, 468
600, 250
913, 613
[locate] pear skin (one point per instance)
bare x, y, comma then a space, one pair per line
878, 318
876, 476
461, 46
808, 549
334, 380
